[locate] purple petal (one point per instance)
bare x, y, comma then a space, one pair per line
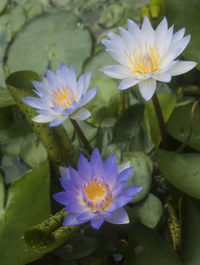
74, 207
89, 96
84, 167
120, 216
59, 120
61, 197
75, 178
131, 191
96, 222
64, 171
97, 163
119, 202
85, 217
71, 219
124, 175
110, 162
34, 102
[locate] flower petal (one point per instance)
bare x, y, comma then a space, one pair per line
124, 175
64, 171
96, 222
71, 219
127, 82
163, 77
131, 190
61, 197
34, 102
123, 166
84, 167
147, 88
43, 118
89, 96
120, 216
59, 120
182, 67
80, 114
97, 163
116, 71
85, 217
75, 177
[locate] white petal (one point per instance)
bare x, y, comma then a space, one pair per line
134, 29
84, 81
127, 39
123, 166
116, 71
161, 28
147, 88
178, 35
43, 118
147, 31
120, 216
127, 82
182, 67
80, 114
163, 77
59, 120
181, 44
120, 56
169, 57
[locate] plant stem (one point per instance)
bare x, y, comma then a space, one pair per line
161, 122
82, 136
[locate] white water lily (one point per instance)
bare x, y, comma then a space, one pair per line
146, 55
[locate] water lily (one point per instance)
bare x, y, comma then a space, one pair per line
146, 55
61, 96
95, 192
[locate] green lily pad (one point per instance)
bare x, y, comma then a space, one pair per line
179, 128
5, 98
147, 247
175, 13
49, 40
27, 204
167, 103
149, 211
182, 170
106, 103
141, 175
32, 150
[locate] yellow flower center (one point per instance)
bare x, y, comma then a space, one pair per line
96, 194
145, 60
63, 98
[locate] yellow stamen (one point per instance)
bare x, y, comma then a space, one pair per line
62, 98
96, 194
145, 60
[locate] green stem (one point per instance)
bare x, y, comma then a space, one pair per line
82, 136
161, 122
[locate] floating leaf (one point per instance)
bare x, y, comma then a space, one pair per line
147, 247
149, 211
54, 46
180, 128
182, 170
175, 13
27, 204
141, 175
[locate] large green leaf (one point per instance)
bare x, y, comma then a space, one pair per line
180, 128
182, 170
148, 211
191, 233
167, 103
106, 103
5, 98
27, 204
147, 247
141, 175
49, 40
176, 14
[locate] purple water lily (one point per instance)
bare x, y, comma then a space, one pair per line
61, 96
95, 192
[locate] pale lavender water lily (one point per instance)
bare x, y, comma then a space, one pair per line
146, 55
61, 96
95, 192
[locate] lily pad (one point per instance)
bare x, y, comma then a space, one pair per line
141, 175
147, 247
182, 170
148, 212
49, 40
175, 13
27, 204
179, 128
